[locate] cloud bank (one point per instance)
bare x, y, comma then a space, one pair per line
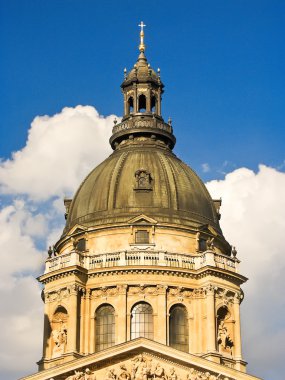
59, 153
60, 150
253, 210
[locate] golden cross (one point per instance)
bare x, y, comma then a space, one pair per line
142, 45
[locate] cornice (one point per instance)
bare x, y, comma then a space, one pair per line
199, 274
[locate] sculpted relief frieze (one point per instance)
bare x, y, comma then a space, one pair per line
59, 294
182, 293
227, 296
144, 367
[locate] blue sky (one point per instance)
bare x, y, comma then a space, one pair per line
222, 63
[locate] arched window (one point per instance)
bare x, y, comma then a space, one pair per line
105, 327
142, 103
178, 328
153, 104
130, 105
142, 321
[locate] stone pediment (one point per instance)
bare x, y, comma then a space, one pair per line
140, 359
142, 220
76, 230
208, 228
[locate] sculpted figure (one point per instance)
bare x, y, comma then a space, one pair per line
191, 375
89, 375
77, 376
140, 369
159, 372
210, 244
173, 375
124, 374
110, 374
60, 339
224, 340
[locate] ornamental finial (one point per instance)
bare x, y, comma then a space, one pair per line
142, 45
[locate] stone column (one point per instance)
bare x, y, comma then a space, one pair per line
160, 333
125, 105
237, 332
211, 319
158, 102
47, 352
121, 320
135, 99
148, 100
87, 320
82, 321
72, 319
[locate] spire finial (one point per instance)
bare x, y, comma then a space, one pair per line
142, 45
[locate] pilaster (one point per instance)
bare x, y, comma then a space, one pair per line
160, 334
121, 312
211, 319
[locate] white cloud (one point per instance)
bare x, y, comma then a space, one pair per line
205, 167
17, 248
21, 308
59, 152
253, 210
21, 333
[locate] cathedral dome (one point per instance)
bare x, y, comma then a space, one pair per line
143, 179
143, 176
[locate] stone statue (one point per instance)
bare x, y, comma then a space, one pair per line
124, 374
77, 376
50, 252
110, 374
234, 251
191, 375
224, 340
59, 336
89, 375
210, 243
140, 368
159, 372
173, 374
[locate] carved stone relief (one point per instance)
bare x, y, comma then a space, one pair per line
58, 295
226, 295
143, 180
59, 333
142, 367
186, 293
225, 341
225, 331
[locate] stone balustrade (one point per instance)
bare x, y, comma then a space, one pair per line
147, 122
141, 258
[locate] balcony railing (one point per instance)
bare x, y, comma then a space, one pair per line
141, 258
